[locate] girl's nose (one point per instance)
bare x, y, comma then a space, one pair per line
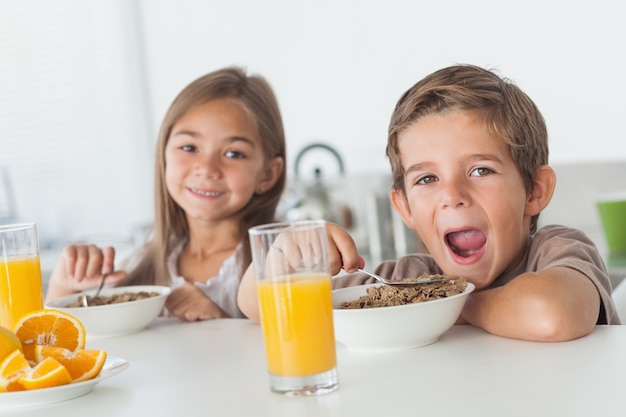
208, 166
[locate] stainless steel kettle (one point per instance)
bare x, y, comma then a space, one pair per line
316, 201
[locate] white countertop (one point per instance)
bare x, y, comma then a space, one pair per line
217, 368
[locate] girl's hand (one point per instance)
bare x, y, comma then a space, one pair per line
81, 267
189, 303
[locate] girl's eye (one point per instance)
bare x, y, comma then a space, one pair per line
481, 172
188, 148
428, 179
234, 154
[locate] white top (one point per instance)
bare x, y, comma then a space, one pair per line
222, 288
217, 368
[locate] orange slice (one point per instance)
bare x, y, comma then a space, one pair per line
8, 342
12, 367
47, 373
49, 328
82, 364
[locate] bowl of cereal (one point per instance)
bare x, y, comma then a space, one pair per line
378, 317
116, 311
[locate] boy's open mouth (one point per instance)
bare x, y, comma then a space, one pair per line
466, 242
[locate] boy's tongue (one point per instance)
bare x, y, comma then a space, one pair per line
466, 241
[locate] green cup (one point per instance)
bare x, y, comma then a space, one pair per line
612, 210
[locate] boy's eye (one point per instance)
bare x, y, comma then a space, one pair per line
481, 172
428, 179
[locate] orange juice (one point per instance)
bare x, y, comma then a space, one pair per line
21, 288
297, 321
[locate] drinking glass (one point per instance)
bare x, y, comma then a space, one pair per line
21, 287
295, 302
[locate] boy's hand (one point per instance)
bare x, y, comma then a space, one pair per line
189, 303
342, 251
290, 250
81, 267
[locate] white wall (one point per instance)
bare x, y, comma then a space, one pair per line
338, 67
81, 160
74, 131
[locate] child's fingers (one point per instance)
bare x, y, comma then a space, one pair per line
76, 259
343, 252
88, 261
95, 261
115, 277
108, 262
289, 252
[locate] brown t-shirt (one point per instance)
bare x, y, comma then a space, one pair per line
551, 246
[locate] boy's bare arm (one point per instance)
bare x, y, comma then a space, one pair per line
247, 296
557, 305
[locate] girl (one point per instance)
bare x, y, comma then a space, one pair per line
220, 169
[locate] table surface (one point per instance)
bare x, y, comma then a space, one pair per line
217, 368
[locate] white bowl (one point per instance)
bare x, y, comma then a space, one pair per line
396, 327
115, 319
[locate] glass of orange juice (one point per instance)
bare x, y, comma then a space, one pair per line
295, 300
21, 287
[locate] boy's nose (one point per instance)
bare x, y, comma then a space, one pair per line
454, 194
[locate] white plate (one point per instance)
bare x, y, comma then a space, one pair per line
11, 400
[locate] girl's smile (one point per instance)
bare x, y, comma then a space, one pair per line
205, 193
214, 161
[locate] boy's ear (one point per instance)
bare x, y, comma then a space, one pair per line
543, 189
401, 206
272, 173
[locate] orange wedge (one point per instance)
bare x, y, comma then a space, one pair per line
47, 373
82, 364
8, 342
12, 367
49, 327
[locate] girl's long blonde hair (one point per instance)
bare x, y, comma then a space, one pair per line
256, 96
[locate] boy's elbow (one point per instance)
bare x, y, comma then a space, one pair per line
247, 300
253, 316
551, 329
248, 308
547, 321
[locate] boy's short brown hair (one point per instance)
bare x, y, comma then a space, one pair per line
506, 111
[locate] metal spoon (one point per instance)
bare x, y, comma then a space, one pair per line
84, 299
397, 283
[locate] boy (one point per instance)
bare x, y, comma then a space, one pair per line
469, 154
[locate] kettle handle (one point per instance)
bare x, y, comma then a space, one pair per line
323, 146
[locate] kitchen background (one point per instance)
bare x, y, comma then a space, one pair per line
85, 83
